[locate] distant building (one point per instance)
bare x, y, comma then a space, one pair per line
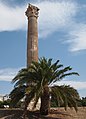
1, 98
4, 97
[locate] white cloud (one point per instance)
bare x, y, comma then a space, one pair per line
77, 37
53, 16
11, 18
76, 84
6, 78
8, 74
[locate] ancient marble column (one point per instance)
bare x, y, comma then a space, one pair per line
32, 34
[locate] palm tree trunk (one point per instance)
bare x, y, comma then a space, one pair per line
45, 101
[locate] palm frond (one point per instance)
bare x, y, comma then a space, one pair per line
49, 62
67, 94
17, 94
20, 74
68, 74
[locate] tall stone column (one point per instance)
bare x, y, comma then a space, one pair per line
32, 35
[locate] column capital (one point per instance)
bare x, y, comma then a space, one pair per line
32, 11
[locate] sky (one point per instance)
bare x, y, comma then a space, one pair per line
62, 35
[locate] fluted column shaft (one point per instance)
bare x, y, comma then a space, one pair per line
32, 34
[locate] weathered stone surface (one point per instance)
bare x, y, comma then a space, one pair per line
32, 34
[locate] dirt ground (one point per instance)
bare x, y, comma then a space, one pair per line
55, 113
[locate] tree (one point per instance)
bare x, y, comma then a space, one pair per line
83, 101
39, 81
16, 95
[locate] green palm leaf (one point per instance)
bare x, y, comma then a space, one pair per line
67, 96
38, 80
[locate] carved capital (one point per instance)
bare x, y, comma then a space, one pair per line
32, 11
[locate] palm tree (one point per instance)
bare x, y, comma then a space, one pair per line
17, 94
40, 79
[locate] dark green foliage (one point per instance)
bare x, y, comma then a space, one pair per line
6, 102
53, 103
38, 80
1, 104
83, 101
80, 102
65, 96
16, 95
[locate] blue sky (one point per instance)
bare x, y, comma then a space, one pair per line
62, 35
